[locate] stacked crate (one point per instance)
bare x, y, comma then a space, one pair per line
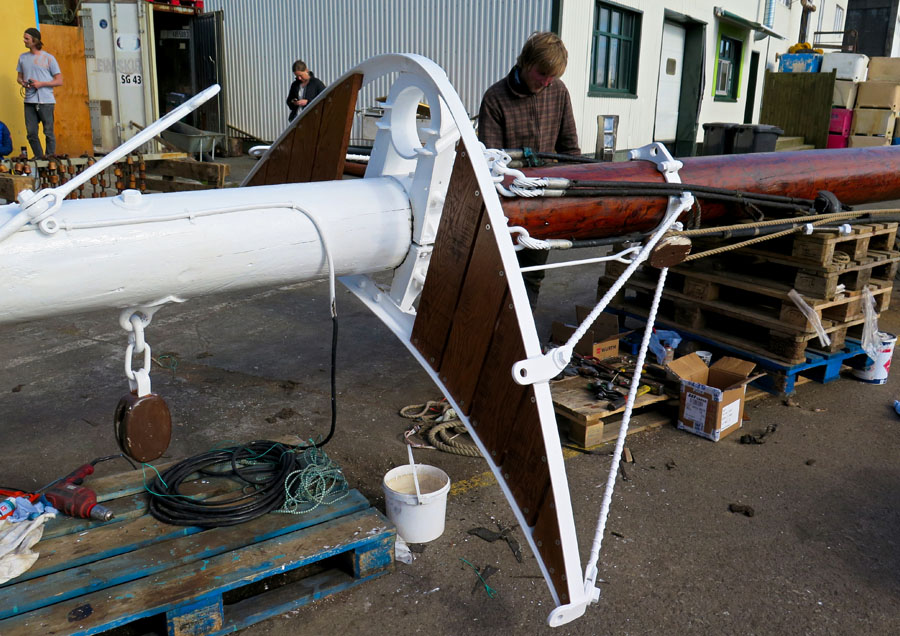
740, 299
877, 104
850, 70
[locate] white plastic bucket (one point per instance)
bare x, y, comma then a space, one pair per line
876, 372
706, 356
418, 519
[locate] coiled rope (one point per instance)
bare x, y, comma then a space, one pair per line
438, 423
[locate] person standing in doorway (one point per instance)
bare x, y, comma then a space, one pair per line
531, 108
303, 90
38, 72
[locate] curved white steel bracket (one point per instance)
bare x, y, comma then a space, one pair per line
424, 168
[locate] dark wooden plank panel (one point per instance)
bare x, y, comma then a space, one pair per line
476, 317
276, 164
306, 133
339, 106
546, 536
449, 260
497, 396
525, 465
779, 104
315, 147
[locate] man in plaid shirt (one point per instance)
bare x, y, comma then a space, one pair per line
531, 108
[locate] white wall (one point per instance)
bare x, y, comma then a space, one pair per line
637, 115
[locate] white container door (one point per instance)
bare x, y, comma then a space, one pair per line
668, 93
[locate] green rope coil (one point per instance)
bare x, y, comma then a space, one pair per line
320, 482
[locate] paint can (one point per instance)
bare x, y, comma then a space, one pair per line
876, 371
419, 518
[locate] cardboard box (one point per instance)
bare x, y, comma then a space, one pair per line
841, 120
884, 69
712, 398
847, 66
601, 341
878, 95
865, 141
844, 93
837, 141
873, 121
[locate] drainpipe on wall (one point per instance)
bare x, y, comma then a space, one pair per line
768, 19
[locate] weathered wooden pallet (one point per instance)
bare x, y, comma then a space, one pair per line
820, 248
91, 577
759, 296
590, 422
729, 326
807, 277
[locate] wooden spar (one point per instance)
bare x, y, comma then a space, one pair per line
854, 175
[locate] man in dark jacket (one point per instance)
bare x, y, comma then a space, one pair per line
531, 108
303, 89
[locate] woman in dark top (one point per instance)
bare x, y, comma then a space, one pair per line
303, 89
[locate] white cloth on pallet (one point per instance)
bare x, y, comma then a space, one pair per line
16, 543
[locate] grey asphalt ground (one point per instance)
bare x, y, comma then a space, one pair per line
819, 556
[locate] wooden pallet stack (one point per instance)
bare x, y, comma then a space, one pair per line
741, 299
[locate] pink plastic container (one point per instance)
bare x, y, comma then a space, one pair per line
841, 119
837, 141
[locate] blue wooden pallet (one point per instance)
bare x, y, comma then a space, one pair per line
188, 580
780, 378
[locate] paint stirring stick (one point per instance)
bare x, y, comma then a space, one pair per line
415, 476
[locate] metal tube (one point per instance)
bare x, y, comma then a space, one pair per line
135, 249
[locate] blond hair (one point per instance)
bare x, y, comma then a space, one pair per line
544, 51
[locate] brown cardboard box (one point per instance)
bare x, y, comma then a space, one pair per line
884, 69
844, 93
712, 398
878, 95
601, 341
865, 141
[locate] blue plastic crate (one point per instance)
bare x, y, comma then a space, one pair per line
800, 63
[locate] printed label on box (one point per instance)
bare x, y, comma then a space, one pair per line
730, 414
695, 408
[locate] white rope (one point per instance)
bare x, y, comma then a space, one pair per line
686, 200
358, 158
590, 573
498, 162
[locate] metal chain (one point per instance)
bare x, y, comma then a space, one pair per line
138, 381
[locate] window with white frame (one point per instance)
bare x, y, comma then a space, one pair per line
838, 17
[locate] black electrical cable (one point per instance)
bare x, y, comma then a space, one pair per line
706, 196
262, 466
685, 187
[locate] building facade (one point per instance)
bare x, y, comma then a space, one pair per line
664, 67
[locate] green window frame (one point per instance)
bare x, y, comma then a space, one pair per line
728, 68
615, 49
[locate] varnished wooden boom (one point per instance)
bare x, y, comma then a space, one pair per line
854, 175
